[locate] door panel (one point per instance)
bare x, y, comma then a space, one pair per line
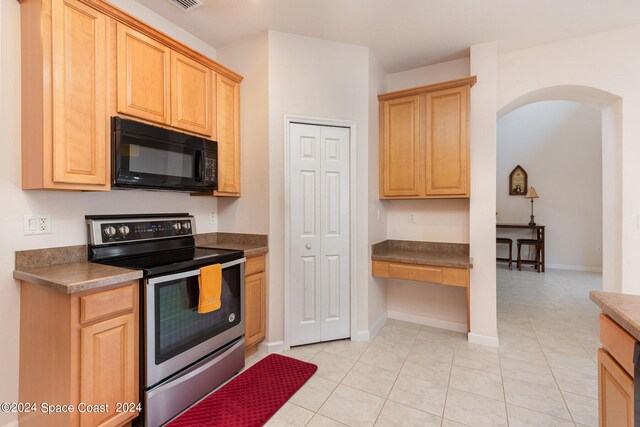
191, 95
79, 98
319, 184
144, 71
228, 136
400, 150
107, 371
305, 233
334, 230
447, 154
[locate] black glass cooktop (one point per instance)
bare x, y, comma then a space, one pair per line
175, 261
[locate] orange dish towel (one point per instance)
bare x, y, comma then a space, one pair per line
210, 284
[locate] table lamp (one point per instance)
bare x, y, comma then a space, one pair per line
531, 194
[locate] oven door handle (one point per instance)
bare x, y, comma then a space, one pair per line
171, 277
179, 276
234, 262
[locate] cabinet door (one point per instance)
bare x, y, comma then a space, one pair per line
108, 371
400, 160
79, 151
144, 68
191, 95
447, 147
228, 136
255, 304
615, 393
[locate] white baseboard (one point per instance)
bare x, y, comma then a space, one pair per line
574, 268
483, 339
373, 331
12, 424
272, 347
428, 321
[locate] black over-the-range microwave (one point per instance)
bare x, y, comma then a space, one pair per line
154, 158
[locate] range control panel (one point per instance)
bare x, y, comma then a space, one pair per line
120, 231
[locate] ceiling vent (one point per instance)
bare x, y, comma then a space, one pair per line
187, 5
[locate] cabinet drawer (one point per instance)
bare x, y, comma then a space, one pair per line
422, 273
105, 303
618, 342
254, 265
415, 272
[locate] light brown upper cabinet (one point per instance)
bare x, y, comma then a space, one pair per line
400, 135
424, 144
84, 61
191, 95
64, 96
144, 76
228, 136
158, 84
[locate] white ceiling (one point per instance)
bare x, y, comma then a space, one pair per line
405, 34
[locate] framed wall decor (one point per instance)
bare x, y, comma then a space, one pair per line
518, 182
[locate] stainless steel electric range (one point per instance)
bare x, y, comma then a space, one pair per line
184, 354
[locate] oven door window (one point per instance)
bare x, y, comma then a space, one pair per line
179, 326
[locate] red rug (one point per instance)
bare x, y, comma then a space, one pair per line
251, 398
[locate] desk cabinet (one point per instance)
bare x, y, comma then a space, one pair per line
424, 144
425, 273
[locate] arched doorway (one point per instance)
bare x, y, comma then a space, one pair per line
610, 106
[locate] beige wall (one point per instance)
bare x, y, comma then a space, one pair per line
559, 144
482, 206
250, 213
67, 209
316, 78
377, 288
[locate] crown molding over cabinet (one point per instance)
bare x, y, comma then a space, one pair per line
85, 61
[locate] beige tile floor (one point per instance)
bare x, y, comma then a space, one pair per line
543, 373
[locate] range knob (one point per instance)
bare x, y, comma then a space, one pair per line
176, 226
186, 225
109, 231
123, 229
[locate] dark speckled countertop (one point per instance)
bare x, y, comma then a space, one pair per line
251, 244
67, 270
623, 308
438, 254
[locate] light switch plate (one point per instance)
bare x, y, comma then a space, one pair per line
37, 224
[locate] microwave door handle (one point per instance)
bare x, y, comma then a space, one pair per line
199, 165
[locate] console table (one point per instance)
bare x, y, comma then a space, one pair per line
540, 232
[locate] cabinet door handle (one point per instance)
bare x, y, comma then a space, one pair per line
308, 246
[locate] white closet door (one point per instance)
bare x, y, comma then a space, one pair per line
319, 221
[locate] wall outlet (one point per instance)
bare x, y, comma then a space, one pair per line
37, 224
412, 218
213, 218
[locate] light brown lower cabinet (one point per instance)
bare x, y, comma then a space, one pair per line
255, 289
79, 356
615, 375
615, 393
